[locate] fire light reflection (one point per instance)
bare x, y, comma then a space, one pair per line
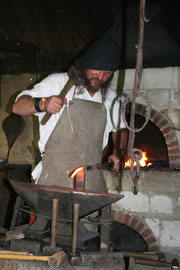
77, 170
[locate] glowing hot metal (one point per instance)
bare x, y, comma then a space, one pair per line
76, 171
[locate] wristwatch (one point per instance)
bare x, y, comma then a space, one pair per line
38, 101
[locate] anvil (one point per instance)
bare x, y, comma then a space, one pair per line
39, 198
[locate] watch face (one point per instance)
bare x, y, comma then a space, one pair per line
42, 104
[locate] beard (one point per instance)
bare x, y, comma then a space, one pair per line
94, 84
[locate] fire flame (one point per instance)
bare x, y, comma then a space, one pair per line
77, 170
143, 162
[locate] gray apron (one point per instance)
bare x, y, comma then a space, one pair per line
68, 149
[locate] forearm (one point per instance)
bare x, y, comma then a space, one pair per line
120, 139
123, 142
24, 106
114, 156
115, 139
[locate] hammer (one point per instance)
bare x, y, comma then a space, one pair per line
54, 260
74, 79
74, 259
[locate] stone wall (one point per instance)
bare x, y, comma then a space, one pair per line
155, 211
162, 87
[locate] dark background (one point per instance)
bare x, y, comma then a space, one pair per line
46, 35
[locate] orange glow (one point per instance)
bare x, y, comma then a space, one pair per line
143, 162
77, 171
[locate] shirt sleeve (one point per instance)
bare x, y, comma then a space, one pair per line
50, 86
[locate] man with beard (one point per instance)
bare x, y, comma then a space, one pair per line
79, 127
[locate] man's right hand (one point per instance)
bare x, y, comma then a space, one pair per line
25, 105
53, 104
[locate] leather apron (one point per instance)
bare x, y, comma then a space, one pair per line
67, 148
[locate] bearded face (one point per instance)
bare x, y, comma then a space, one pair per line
95, 79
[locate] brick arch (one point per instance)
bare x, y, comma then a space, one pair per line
137, 225
161, 121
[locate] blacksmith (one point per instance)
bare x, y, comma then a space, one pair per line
79, 127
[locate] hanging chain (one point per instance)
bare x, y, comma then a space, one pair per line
134, 153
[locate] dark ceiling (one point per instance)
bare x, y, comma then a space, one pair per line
46, 35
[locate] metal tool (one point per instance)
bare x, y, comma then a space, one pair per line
39, 198
3, 251
24, 257
55, 205
75, 78
100, 166
79, 173
57, 259
174, 265
11, 235
74, 258
134, 153
141, 255
54, 260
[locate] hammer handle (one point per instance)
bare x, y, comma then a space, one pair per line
62, 95
24, 257
13, 252
152, 263
75, 227
141, 255
55, 206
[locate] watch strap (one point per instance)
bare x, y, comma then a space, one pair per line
36, 104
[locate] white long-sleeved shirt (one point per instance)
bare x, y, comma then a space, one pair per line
51, 86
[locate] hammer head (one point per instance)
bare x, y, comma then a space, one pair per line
57, 259
74, 260
76, 75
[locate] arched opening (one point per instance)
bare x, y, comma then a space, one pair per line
158, 139
152, 141
124, 238
158, 136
